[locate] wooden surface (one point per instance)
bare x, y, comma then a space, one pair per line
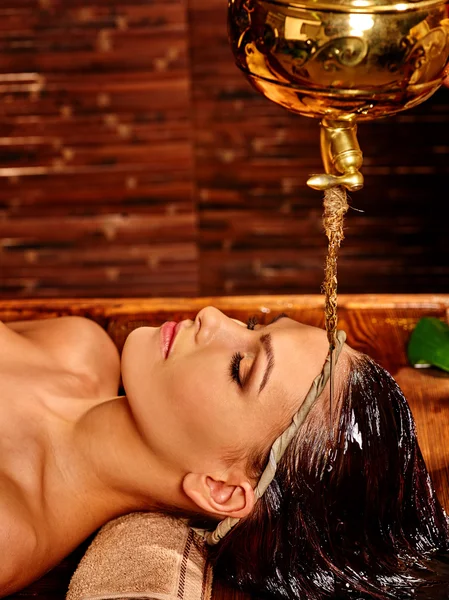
378, 325
135, 159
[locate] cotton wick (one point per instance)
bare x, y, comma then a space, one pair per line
335, 209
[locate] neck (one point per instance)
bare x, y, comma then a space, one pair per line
107, 465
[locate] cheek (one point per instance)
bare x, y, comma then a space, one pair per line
205, 408
195, 398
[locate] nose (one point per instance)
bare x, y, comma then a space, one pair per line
213, 325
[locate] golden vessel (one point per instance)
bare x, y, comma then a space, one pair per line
342, 61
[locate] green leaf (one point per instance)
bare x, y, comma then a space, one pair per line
429, 343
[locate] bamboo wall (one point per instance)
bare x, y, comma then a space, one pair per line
136, 160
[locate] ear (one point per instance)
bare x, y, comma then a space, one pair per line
233, 497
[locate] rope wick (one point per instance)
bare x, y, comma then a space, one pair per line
335, 209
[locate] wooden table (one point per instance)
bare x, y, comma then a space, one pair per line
378, 325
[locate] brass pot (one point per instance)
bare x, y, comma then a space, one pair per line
341, 61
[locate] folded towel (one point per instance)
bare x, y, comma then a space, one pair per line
143, 555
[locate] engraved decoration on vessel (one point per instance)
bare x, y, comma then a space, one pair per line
340, 64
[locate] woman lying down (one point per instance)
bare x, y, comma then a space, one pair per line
228, 424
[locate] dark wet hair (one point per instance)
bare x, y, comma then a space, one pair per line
359, 520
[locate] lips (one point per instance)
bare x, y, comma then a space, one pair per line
168, 334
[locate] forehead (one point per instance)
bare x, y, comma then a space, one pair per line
300, 353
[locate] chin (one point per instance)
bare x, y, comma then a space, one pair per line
140, 350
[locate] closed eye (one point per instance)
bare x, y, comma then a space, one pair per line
252, 322
281, 316
234, 368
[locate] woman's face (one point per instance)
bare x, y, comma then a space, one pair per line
222, 389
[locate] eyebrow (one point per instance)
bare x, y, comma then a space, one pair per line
268, 347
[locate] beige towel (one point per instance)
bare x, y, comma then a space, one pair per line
143, 555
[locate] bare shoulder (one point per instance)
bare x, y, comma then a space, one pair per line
74, 343
19, 547
55, 329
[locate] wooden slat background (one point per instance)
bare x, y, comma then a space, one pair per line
135, 160
96, 149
